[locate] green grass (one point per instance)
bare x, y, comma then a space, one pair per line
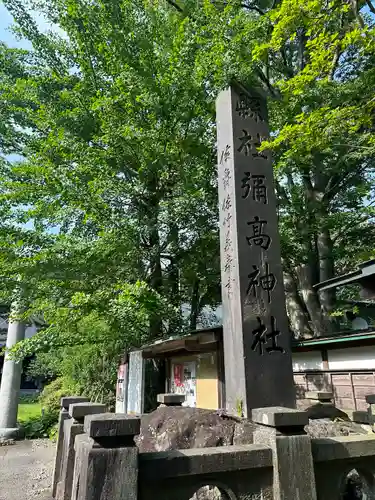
26, 411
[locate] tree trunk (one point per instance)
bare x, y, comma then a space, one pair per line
173, 279
326, 269
309, 272
297, 316
151, 203
194, 310
320, 325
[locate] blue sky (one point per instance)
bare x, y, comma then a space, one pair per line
8, 37
5, 35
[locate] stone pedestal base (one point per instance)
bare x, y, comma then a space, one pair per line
12, 433
106, 459
170, 399
293, 469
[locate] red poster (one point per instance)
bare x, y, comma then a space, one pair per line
120, 383
121, 371
178, 373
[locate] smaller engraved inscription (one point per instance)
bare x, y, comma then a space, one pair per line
226, 178
229, 285
228, 242
259, 237
261, 338
227, 220
225, 155
228, 263
227, 203
226, 207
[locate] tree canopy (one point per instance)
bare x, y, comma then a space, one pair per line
111, 208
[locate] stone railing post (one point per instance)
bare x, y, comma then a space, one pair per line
283, 430
106, 465
73, 427
321, 405
170, 399
64, 415
321, 397
370, 399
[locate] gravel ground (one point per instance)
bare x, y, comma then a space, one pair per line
26, 470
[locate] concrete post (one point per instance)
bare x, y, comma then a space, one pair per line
106, 465
11, 381
370, 399
72, 428
283, 430
321, 405
64, 415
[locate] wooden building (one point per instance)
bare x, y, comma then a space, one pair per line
342, 363
194, 366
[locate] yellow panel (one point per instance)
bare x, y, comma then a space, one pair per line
207, 382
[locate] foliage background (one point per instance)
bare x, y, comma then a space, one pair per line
109, 218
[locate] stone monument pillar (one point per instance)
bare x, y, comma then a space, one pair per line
257, 347
11, 381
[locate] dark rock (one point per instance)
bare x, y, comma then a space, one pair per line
171, 428
243, 432
318, 409
320, 428
354, 487
209, 493
180, 428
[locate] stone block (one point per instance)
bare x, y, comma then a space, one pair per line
277, 416
162, 465
294, 475
72, 429
171, 399
79, 411
370, 398
109, 473
71, 400
109, 425
64, 415
320, 410
293, 467
360, 417
319, 395
64, 486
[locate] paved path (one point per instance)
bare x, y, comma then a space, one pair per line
26, 470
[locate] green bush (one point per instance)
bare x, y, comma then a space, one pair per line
29, 398
45, 424
53, 432
39, 426
52, 394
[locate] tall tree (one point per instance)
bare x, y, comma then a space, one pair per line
122, 155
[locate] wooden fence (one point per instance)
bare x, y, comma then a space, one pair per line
348, 387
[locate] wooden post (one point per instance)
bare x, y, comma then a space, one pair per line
122, 386
257, 346
136, 383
